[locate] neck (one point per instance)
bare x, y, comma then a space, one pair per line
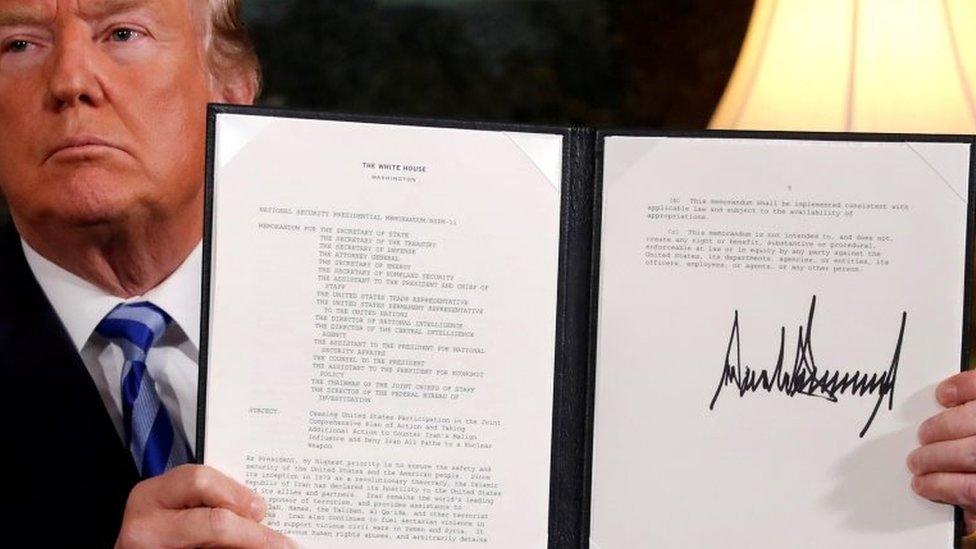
126, 259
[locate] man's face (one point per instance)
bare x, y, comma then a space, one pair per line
102, 109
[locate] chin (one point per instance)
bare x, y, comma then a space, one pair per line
99, 199
89, 214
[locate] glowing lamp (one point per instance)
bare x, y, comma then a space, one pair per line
855, 65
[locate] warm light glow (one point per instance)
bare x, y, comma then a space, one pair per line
855, 65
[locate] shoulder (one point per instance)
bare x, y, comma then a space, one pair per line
23, 299
10, 246
15, 274
8, 234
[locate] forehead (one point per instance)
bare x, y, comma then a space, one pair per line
47, 11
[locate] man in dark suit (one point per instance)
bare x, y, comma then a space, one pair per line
103, 108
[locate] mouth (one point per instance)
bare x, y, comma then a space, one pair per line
81, 147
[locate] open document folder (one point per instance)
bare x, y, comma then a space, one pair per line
449, 334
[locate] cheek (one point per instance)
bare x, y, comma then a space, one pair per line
183, 167
170, 121
17, 173
14, 185
179, 136
21, 127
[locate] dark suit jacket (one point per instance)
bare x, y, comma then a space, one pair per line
66, 473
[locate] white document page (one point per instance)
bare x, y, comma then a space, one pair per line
382, 329
773, 319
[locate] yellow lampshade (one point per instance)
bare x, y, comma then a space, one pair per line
855, 65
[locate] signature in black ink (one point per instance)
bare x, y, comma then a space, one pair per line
806, 378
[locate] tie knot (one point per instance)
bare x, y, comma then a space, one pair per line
135, 327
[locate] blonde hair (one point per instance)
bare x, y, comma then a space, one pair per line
229, 48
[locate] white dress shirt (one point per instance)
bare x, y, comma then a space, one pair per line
172, 362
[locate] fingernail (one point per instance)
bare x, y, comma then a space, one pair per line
947, 392
916, 482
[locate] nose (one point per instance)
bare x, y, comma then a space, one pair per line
73, 79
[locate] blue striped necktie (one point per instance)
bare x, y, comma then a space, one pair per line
155, 443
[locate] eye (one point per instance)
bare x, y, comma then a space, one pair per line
124, 34
16, 46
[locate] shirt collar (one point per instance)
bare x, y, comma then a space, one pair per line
81, 305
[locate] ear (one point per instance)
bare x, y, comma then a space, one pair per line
238, 88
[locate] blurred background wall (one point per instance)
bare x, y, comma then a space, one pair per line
646, 63
650, 63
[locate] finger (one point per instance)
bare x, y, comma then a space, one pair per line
953, 423
948, 456
957, 389
219, 527
201, 486
952, 488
